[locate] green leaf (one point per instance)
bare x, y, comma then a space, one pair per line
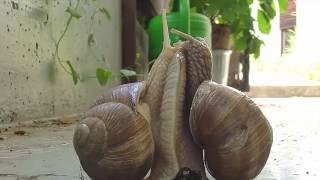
105, 12
228, 15
255, 46
193, 10
222, 4
103, 76
240, 44
127, 73
257, 53
283, 5
73, 13
263, 22
74, 74
250, 1
269, 9
212, 10
235, 27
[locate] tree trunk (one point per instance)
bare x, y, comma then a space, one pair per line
233, 77
235, 80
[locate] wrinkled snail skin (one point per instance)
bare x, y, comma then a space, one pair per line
165, 95
199, 65
113, 140
175, 148
232, 130
154, 85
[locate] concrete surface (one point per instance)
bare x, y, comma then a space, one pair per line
285, 91
32, 84
296, 130
46, 151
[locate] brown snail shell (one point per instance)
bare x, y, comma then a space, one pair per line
113, 140
232, 130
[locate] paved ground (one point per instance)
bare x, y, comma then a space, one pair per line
45, 152
295, 153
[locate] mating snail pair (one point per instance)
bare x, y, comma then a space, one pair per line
166, 123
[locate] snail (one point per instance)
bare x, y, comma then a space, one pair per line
166, 122
234, 133
231, 129
114, 139
158, 103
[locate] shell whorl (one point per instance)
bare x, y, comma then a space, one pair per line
232, 130
113, 140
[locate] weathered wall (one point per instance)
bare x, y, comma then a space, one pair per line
32, 84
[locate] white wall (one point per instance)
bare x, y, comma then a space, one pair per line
32, 85
271, 50
307, 34
307, 43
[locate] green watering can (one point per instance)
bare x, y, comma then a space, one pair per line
195, 24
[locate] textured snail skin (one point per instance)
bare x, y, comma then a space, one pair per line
166, 97
199, 64
232, 130
174, 144
154, 85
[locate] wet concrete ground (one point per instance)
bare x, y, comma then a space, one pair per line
46, 152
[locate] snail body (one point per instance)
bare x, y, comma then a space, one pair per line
175, 148
164, 124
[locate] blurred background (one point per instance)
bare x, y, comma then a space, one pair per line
57, 56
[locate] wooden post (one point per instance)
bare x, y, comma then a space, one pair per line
129, 16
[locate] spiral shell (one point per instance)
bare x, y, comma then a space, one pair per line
113, 140
232, 130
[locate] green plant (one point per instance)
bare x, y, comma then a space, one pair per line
101, 74
290, 39
237, 14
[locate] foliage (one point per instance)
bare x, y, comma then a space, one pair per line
102, 75
290, 39
237, 14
